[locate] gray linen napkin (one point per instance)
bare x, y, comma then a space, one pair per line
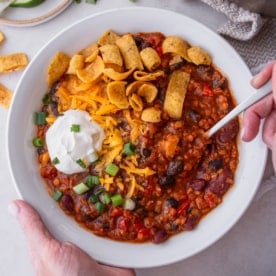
253, 36
242, 23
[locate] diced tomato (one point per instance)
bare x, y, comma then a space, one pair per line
138, 225
48, 172
210, 199
143, 234
159, 50
116, 212
207, 91
149, 190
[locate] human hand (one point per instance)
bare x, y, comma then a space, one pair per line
264, 109
52, 257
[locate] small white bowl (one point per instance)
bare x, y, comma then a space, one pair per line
22, 155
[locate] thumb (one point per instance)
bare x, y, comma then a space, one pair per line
34, 229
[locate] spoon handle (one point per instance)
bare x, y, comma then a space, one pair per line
255, 97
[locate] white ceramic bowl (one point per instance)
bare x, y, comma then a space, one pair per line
22, 156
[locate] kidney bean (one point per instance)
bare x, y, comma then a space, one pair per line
160, 236
228, 133
67, 203
219, 186
197, 184
191, 223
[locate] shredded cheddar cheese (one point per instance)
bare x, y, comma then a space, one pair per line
74, 94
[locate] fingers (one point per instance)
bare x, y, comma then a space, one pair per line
265, 74
268, 72
262, 109
109, 270
252, 117
274, 152
36, 233
269, 129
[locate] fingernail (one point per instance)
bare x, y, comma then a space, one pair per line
13, 209
256, 80
242, 132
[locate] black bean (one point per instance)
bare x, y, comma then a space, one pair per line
98, 189
54, 107
87, 194
141, 43
53, 89
174, 226
167, 71
219, 83
176, 66
146, 152
193, 115
175, 167
216, 164
160, 236
172, 202
205, 72
40, 150
100, 222
166, 181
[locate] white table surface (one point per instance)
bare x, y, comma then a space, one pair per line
247, 249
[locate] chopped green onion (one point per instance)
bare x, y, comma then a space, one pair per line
117, 200
105, 198
129, 149
80, 188
92, 180
92, 157
129, 204
81, 163
93, 199
38, 142
55, 161
40, 118
100, 207
75, 128
112, 169
57, 195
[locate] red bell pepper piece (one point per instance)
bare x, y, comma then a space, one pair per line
207, 91
183, 207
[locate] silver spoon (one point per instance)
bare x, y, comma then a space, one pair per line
255, 97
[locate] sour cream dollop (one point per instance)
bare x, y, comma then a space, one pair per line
67, 146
